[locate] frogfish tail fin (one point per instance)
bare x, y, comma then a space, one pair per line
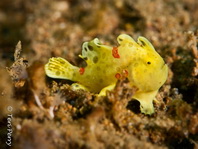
60, 68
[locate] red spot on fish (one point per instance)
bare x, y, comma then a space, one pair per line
81, 70
118, 76
125, 73
115, 52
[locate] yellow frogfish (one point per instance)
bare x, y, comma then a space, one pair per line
138, 61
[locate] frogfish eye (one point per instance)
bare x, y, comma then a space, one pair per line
148, 63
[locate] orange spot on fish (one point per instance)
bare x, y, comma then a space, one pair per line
115, 52
118, 76
81, 70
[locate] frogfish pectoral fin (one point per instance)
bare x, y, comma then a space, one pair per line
146, 101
